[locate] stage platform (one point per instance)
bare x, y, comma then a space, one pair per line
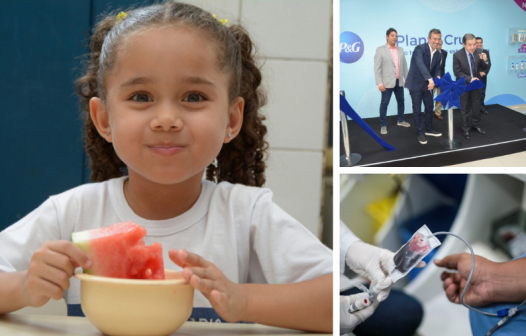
504, 135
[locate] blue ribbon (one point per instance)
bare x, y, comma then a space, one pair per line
347, 109
451, 91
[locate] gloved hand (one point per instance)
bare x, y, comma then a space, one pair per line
375, 264
349, 321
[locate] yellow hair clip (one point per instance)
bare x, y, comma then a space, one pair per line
121, 16
223, 21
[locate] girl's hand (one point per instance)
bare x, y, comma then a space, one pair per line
228, 298
49, 271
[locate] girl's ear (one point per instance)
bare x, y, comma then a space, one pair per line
235, 119
100, 117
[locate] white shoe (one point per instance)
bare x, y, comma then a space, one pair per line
403, 123
383, 130
433, 133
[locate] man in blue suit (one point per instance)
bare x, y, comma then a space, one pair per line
425, 65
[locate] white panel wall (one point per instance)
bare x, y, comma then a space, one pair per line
296, 90
293, 29
294, 37
293, 41
295, 177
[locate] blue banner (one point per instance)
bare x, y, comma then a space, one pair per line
348, 110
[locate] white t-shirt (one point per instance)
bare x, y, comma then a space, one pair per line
238, 228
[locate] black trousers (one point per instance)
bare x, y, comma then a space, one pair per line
472, 98
417, 97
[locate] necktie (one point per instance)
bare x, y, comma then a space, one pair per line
472, 64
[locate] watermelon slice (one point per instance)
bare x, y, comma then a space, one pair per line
119, 251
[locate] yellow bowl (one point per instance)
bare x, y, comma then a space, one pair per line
136, 307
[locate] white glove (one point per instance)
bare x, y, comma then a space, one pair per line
349, 321
375, 264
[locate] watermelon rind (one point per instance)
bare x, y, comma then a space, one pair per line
81, 240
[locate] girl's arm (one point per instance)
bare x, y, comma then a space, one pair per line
304, 305
11, 291
47, 277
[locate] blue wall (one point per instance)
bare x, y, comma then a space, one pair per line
413, 19
41, 138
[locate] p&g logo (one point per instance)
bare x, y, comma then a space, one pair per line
351, 47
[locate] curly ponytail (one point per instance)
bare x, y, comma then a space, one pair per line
240, 161
104, 162
243, 159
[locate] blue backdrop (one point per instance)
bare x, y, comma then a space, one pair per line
363, 25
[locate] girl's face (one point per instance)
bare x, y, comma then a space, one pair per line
167, 105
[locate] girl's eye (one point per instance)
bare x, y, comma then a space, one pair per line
141, 98
194, 98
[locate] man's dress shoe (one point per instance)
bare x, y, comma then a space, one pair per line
480, 130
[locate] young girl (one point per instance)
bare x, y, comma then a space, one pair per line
170, 92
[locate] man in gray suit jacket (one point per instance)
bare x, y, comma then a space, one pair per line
468, 62
390, 72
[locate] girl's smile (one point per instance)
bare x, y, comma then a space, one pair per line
166, 149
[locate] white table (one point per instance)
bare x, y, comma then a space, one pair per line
32, 325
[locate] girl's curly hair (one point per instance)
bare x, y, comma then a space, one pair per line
242, 160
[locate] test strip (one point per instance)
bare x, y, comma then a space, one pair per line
359, 305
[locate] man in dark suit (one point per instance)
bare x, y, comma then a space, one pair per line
438, 105
425, 65
483, 75
468, 62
